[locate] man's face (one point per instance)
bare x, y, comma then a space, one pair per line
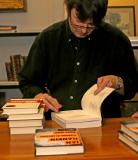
80, 29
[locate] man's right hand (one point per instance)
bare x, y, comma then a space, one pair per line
49, 101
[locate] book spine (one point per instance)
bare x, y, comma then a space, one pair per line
25, 59
21, 61
2, 99
7, 29
13, 66
9, 71
16, 65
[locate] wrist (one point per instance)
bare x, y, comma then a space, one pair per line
119, 83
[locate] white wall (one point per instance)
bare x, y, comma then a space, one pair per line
40, 14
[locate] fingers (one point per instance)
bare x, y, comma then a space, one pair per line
106, 81
51, 103
135, 115
101, 84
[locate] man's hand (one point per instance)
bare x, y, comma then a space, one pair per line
135, 115
49, 101
106, 81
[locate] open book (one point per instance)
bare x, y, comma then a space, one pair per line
89, 115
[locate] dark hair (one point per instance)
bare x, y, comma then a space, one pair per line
95, 9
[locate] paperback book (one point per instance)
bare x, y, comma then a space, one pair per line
24, 130
21, 106
26, 123
89, 115
27, 120
39, 115
58, 141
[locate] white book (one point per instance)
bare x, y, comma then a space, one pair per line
32, 116
22, 106
24, 130
25, 123
89, 115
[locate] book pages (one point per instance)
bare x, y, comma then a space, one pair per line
91, 103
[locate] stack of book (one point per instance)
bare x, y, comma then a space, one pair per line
128, 134
24, 115
14, 66
7, 29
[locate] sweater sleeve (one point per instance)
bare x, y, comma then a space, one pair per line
32, 77
128, 69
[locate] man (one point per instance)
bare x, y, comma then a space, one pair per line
69, 57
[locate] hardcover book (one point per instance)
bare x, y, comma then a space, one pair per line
9, 71
7, 29
58, 141
14, 66
130, 128
22, 106
128, 140
89, 115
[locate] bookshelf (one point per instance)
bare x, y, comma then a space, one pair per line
11, 44
134, 42
19, 34
9, 84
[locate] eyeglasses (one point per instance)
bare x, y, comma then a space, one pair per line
79, 28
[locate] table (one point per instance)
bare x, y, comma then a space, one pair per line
101, 143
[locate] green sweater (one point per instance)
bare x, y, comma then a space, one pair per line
67, 66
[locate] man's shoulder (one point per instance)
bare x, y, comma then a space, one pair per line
114, 32
110, 29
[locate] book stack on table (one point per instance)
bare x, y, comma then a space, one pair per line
128, 134
24, 115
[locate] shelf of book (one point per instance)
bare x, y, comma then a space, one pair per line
134, 42
17, 34
9, 84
